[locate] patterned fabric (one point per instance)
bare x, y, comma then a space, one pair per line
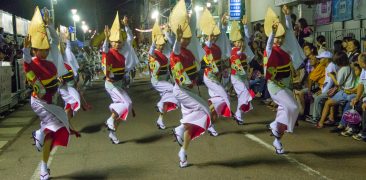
238, 61
113, 64
42, 75
158, 65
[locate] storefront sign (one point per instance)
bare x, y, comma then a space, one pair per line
235, 9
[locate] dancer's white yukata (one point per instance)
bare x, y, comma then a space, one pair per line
67, 90
159, 72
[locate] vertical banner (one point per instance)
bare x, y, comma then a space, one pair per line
359, 9
342, 10
235, 9
323, 12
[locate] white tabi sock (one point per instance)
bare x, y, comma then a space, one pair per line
160, 119
110, 123
44, 167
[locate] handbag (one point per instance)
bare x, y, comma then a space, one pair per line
333, 90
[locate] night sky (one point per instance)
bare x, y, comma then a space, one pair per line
96, 13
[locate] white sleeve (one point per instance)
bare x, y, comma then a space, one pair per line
288, 22
247, 34
170, 37
26, 55
129, 34
208, 44
152, 48
269, 44
105, 47
176, 48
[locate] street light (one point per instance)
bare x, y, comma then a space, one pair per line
198, 8
208, 4
155, 14
85, 28
75, 18
74, 11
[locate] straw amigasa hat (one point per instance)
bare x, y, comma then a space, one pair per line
235, 33
37, 31
207, 24
179, 16
157, 34
116, 33
270, 19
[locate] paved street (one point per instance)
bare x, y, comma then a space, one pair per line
240, 152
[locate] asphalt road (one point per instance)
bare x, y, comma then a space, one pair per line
240, 152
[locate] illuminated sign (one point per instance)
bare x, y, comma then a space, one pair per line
235, 9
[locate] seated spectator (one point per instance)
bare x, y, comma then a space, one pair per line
321, 44
349, 130
353, 50
344, 82
360, 94
338, 47
257, 82
301, 92
326, 60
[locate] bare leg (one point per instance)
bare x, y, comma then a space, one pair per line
325, 112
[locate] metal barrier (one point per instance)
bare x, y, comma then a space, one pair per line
331, 36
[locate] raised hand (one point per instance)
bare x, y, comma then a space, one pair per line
107, 32
125, 21
286, 10
224, 19
275, 27
244, 20
27, 42
179, 32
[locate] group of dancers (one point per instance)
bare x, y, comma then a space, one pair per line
174, 61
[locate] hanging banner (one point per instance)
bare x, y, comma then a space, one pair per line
6, 22
341, 10
323, 12
359, 9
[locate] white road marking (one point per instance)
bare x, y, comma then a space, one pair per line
300, 165
35, 175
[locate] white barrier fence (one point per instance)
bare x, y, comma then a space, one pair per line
331, 36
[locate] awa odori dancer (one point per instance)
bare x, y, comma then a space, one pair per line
114, 67
278, 70
67, 89
159, 72
196, 115
42, 76
219, 100
239, 73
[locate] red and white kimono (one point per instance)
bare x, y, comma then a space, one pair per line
159, 71
218, 96
42, 76
68, 93
114, 68
239, 79
278, 67
194, 109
